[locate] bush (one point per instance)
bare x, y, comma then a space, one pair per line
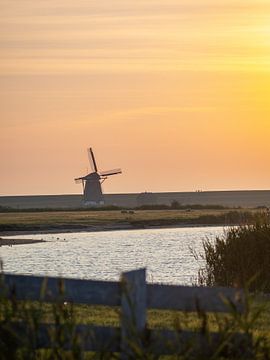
240, 257
5, 208
176, 205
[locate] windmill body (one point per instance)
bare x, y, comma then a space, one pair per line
92, 190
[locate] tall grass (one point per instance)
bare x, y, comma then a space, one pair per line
20, 342
240, 257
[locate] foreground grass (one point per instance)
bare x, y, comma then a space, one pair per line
107, 316
139, 219
159, 319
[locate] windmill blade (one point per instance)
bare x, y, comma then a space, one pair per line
92, 160
78, 180
110, 172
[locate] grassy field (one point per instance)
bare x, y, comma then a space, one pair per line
258, 326
139, 219
158, 319
108, 316
97, 217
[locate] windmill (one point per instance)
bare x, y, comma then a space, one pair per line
91, 182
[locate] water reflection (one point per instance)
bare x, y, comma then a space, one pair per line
104, 255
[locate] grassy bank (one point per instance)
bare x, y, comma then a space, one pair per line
97, 220
254, 322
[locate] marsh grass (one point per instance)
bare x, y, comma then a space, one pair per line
239, 257
18, 342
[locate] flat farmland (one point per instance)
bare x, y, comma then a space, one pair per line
97, 220
97, 217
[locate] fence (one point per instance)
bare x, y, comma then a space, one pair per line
134, 296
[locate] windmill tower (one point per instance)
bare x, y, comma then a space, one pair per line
92, 190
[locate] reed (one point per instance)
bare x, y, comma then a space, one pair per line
239, 257
21, 322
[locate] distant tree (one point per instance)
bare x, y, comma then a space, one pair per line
175, 204
5, 208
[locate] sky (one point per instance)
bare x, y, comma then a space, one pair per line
175, 92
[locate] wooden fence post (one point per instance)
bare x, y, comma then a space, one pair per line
133, 311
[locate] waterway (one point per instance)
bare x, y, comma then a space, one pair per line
166, 253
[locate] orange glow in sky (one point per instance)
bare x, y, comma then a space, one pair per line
174, 92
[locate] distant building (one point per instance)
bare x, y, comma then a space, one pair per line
146, 198
92, 190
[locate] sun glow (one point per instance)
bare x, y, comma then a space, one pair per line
185, 83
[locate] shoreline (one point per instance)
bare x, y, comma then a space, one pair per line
100, 228
12, 242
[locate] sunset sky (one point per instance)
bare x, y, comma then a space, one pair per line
175, 92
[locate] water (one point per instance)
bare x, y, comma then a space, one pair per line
104, 255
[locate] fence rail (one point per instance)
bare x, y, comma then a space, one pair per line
92, 292
134, 296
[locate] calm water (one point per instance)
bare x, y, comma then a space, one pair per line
104, 255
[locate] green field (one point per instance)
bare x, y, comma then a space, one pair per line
67, 316
108, 316
61, 220
157, 319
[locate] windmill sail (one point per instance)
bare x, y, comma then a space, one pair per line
78, 180
110, 172
92, 160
